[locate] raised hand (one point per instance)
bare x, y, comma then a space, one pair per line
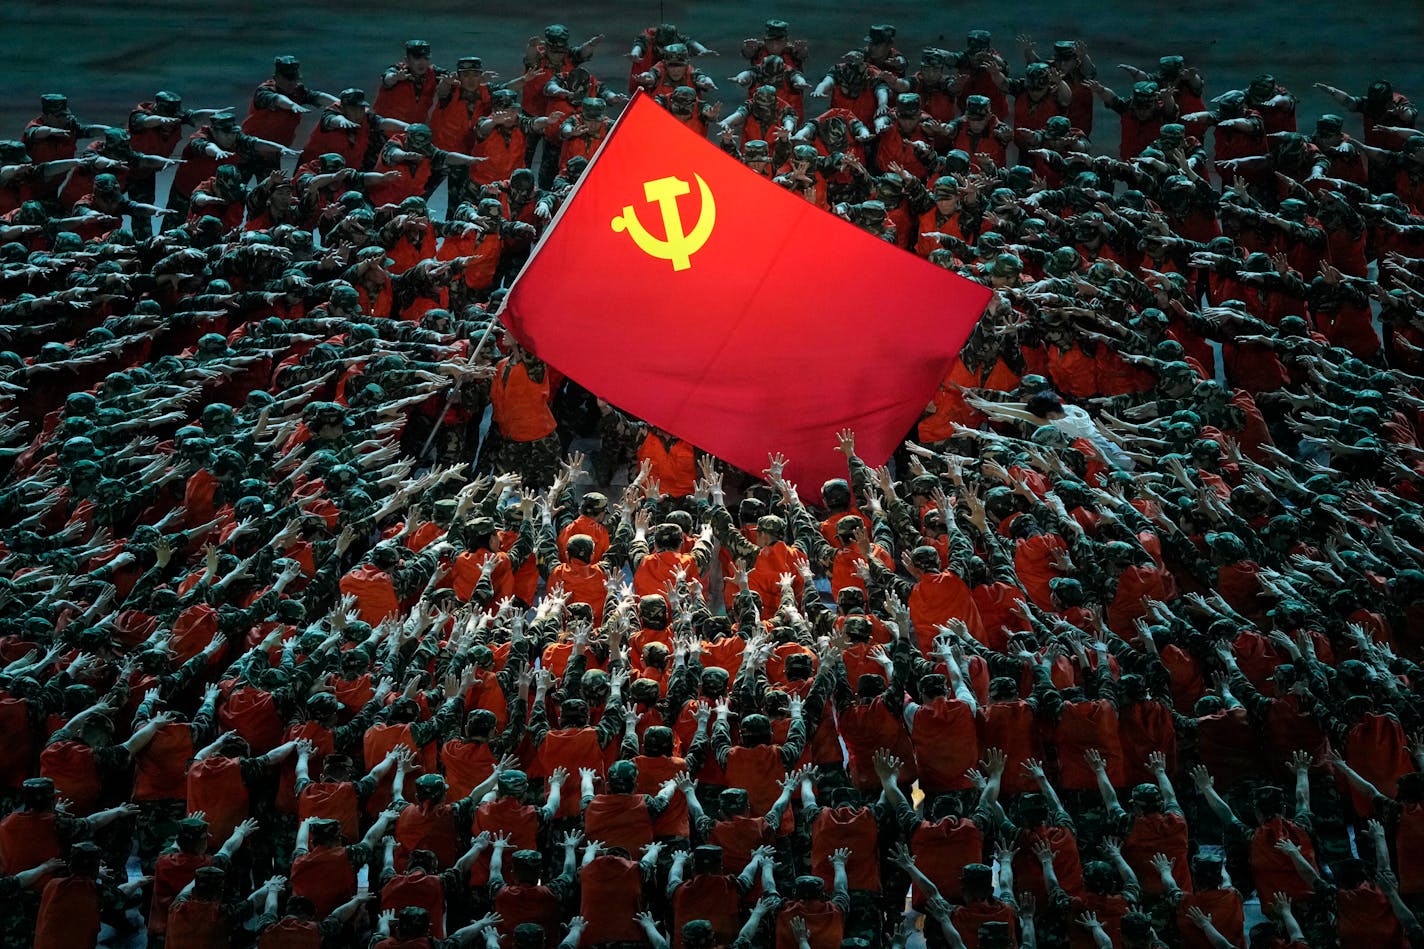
845, 442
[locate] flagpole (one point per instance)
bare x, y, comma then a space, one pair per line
455, 389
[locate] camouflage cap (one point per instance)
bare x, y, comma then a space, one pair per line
772, 524
191, 827
1329, 124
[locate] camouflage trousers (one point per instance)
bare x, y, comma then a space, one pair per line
142, 189
537, 461
617, 448
157, 826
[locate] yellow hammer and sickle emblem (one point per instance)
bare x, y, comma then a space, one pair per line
680, 245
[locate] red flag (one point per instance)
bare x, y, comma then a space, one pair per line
691, 292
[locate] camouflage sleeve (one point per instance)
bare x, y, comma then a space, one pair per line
862, 479
415, 573
523, 545
721, 742
620, 541
610, 726
444, 723
565, 510
809, 538
794, 745
728, 535
816, 610
902, 526
683, 685
702, 554
883, 578
266, 98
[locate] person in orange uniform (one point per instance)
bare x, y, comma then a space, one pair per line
584, 131
592, 521
622, 816
977, 131
906, 141
72, 905
503, 137
156, 128
385, 580
407, 88
675, 70
412, 165
204, 915
54, 133
547, 60
174, 870
521, 393
650, 48
582, 577
37, 832
575, 743
769, 555
349, 128
277, 107
299, 925
323, 869
671, 461
654, 569
954, 217
856, 87
822, 921
463, 99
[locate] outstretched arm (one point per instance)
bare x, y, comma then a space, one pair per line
1297, 859
1206, 787
1100, 771
650, 929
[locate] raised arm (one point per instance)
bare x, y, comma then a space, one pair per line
1206, 787
650, 929
1100, 771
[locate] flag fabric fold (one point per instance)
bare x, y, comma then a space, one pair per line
689, 291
